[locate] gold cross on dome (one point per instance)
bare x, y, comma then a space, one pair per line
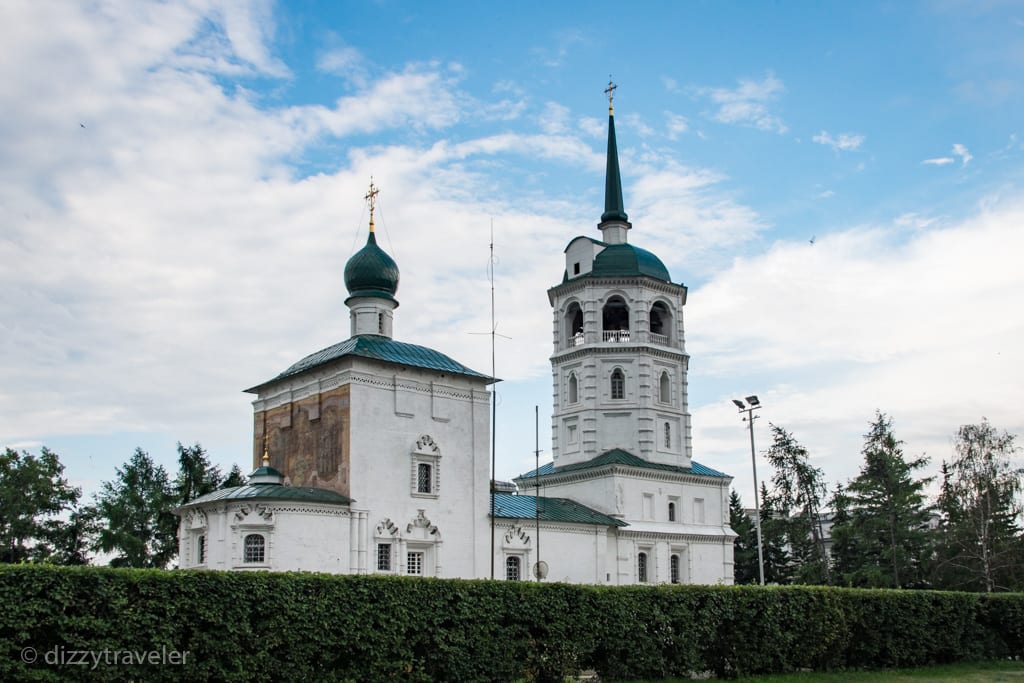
610, 92
372, 196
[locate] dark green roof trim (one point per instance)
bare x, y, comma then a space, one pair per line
614, 209
509, 506
272, 492
617, 456
379, 348
267, 471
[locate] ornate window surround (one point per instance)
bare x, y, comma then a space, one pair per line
425, 452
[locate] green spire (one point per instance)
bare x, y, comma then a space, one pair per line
613, 206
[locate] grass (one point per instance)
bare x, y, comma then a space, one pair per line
972, 672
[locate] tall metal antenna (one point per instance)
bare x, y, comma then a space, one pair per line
494, 398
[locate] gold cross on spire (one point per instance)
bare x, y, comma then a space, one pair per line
372, 196
610, 92
266, 454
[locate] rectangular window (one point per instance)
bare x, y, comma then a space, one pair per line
513, 569
641, 568
423, 478
674, 568
201, 549
254, 549
572, 433
698, 510
383, 557
414, 563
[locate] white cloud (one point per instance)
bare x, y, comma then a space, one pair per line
344, 61
747, 103
671, 84
675, 124
843, 142
862, 321
959, 151
554, 120
962, 152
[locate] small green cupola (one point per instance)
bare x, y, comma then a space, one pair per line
371, 277
614, 221
266, 474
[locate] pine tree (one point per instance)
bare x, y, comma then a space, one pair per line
888, 517
196, 475
134, 514
234, 478
745, 569
778, 563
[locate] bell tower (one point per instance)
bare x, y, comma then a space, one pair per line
619, 363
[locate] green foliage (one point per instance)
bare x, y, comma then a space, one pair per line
881, 522
196, 475
981, 541
135, 517
796, 501
33, 494
259, 626
745, 569
234, 478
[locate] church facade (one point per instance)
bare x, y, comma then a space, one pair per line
373, 455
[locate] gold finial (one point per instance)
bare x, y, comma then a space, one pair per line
372, 196
610, 92
266, 454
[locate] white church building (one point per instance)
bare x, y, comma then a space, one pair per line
373, 455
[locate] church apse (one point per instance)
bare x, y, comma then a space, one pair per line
308, 440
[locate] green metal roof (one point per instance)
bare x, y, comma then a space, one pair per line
378, 348
627, 260
509, 506
371, 272
617, 456
273, 492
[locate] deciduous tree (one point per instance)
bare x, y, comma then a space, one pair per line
980, 506
33, 495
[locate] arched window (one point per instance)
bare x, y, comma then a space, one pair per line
660, 322
671, 512
574, 392
201, 549
665, 389
255, 547
513, 569
618, 384
615, 320
641, 568
673, 566
668, 435
574, 325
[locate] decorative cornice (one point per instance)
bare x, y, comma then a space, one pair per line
615, 469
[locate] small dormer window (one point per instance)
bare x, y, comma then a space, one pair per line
576, 268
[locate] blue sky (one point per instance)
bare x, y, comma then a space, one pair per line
182, 185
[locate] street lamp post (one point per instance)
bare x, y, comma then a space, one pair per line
752, 404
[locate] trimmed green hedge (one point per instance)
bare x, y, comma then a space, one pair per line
239, 626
